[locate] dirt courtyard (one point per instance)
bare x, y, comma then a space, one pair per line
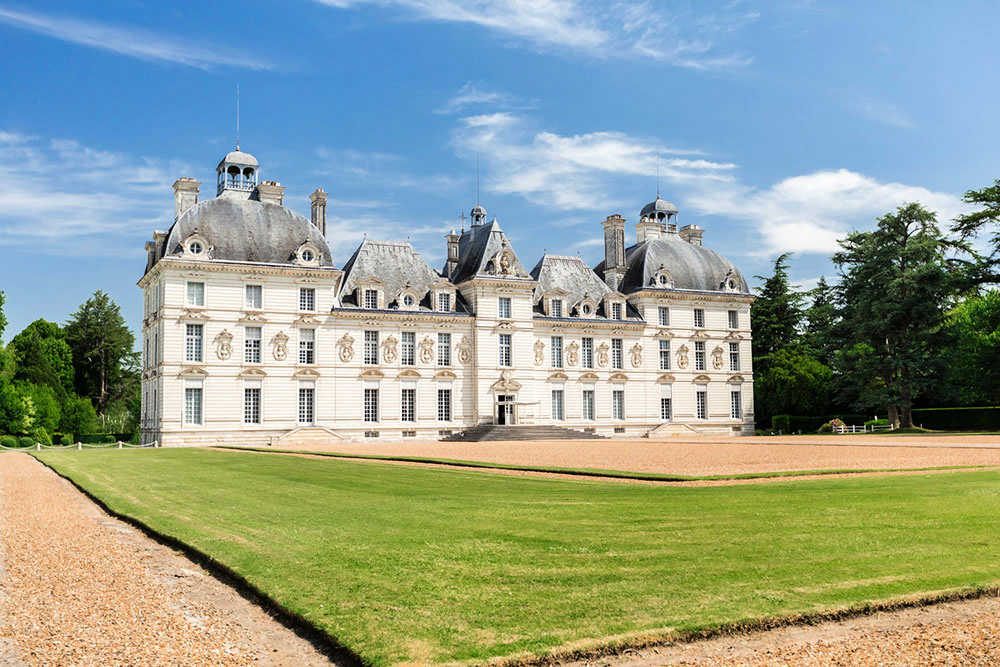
704, 456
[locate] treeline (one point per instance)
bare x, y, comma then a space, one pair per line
912, 320
72, 380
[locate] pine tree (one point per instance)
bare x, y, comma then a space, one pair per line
103, 359
777, 311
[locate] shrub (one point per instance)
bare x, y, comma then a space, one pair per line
39, 434
95, 438
25, 441
797, 424
832, 425
876, 422
8, 441
62, 439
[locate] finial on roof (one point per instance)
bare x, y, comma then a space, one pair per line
237, 116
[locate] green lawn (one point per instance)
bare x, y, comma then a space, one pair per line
402, 563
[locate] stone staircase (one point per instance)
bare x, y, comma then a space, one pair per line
493, 432
308, 435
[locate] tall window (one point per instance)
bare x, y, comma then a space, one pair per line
664, 355
371, 405
735, 408
701, 404
406, 352
306, 404
307, 298
616, 311
255, 296
371, 347
408, 405
665, 409
251, 405
192, 405
196, 294
557, 357
556, 308
588, 404
618, 404
444, 349
734, 356
699, 355
307, 346
503, 307
251, 345
371, 299
444, 405
664, 316
504, 359
699, 318
734, 319
194, 346
587, 352
444, 302
557, 405
616, 352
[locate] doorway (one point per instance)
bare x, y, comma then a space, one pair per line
505, 414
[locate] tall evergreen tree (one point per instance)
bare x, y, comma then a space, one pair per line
43, 357
777, 311
970, 225
821, 319
103, 359
3, 318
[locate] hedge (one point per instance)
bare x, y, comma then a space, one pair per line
25, 441
798, 424
8, 441
97, 438
958, 419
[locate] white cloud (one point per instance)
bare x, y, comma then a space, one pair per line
471, 94
133, 42
598, 29
881, 112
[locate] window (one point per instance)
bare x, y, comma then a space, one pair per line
251, 405
444, 302
194, 342
196, 294
735, 409
557, 357
444, 405
371, 299
557, 405
616, 353
587, 352
734, 319
371, 405
307, 255
734, 356
701, 403
408, 300
699, 355
444, 349
665, 412
406, 356
503, 307
306, 404
192, 405
307, 298
504, 359
618, 404
556, 308
408, 405
664, 316
156, 347
588, 404
616, 311
195, 247
371, 347
699, 318
251, 345
664, 355
307, 346
255, 296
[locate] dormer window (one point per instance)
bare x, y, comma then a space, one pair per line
444, 302
617, 310
587, 309
371, 299
196, 248
408, 301
556, 308
307, 254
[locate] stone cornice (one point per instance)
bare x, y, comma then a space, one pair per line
583, 324
398, 316
237, 268
685, 295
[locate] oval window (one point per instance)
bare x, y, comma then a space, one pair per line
307, 255
732, 284
195, 248
663, 280
586, 309
407, 300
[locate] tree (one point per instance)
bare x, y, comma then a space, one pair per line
43, 357
17, 414
972, 375
101, 344
895, 286
793, 383
3, 318
821, 319
46, 406
969, 225
777, 312
78, 416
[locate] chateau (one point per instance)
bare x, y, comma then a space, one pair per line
252, 335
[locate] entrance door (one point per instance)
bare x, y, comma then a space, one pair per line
505, 409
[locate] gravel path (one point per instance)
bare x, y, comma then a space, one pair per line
80, 587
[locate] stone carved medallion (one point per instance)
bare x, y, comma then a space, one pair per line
389, 349
345, 348
572, 353
224, 344
539, 352
464, 349
279, 346
636, 353
717, 358
426, 350
682, 357
602, 355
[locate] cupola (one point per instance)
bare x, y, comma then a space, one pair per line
237, 174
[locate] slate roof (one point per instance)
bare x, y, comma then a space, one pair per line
476, 247
657, 206
247, 230
569, 274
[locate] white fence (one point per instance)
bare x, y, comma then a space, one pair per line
80, 446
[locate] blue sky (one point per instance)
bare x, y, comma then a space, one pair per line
776, 126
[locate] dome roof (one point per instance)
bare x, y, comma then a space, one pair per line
691, 267
246, 230
240, 158
658, 206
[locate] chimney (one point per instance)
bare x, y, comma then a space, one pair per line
271, 192
185, 195
692, 234
614, 250
452, 262
648, 229
318, 200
